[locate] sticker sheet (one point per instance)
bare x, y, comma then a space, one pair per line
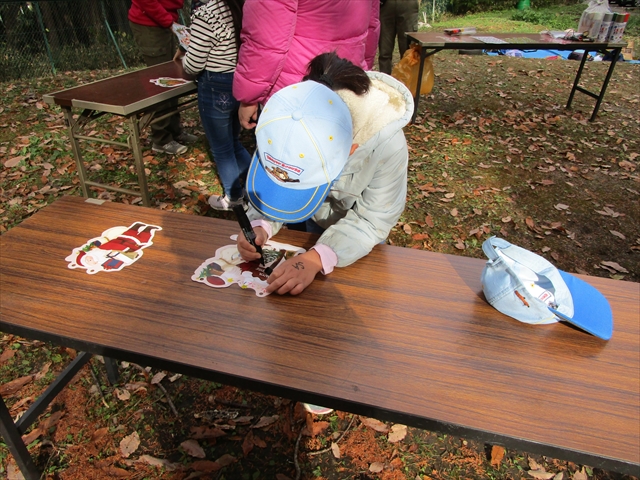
115, 249
169, 82
227, 266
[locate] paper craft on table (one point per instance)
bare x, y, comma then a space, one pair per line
489, 39
227, 266
116, 248
169, 82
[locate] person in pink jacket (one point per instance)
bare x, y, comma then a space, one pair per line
280, 37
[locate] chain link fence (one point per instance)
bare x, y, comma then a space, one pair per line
51, 36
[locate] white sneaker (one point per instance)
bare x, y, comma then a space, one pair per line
316, 409
222, 202
172, 148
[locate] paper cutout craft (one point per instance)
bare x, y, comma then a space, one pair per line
169, 82
116, 248
227, 266
183, 33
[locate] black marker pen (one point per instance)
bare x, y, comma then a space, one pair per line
248, 232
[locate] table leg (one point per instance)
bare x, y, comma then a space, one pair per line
137, 154
603, 89
75, 146
13, 439
111, 366
416, 97
12, 432
616, 54
423, 55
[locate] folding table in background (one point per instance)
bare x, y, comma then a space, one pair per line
132, 96
433, 42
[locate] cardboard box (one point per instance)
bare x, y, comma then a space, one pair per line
627, 52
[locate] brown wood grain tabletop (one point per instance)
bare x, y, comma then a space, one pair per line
126, 93
403, 335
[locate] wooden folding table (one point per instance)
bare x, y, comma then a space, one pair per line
433, 42
130, 95
401, 335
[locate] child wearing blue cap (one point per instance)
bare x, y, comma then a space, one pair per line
330, 152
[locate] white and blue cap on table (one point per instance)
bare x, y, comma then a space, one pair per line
530, 289
304, 137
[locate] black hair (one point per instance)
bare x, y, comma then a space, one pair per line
338, 73
235, 6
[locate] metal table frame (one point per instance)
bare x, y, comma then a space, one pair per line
12, 431
432, 43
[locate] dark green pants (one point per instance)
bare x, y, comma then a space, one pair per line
396, 18
158, 45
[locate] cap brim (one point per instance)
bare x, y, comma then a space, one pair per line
278, 203
591, 310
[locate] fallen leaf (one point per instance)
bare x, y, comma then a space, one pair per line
193, 448
616, 266
265, 421
226, 459
12, 162
497, 454
157, 462
247, 443
581, 475
335, 449
129, 444
561, 206
123, 394
99, 433
377, 425
7, 355
14, 386
398, 432
116, 472
559, 476
613, 232
43, 371
541, 474
506, 219
376, 467
157, 378
454, 212
429, 221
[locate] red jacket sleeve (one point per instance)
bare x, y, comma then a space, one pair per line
156, 12
373, 35
267, 30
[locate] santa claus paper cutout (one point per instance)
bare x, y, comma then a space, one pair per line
118, 247
228, 267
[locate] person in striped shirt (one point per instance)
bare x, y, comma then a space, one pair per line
212, 56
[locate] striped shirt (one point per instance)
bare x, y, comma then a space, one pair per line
213, 43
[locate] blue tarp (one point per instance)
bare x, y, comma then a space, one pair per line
564, 54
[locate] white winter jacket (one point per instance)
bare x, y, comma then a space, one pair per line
368, 198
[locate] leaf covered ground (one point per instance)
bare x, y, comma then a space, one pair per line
494, 152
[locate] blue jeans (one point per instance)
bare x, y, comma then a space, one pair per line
219, 116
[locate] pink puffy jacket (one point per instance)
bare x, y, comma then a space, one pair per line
280, 37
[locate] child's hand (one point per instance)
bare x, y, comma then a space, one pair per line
248, 115
296, 274
246, 250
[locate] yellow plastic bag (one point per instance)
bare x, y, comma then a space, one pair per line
408, 67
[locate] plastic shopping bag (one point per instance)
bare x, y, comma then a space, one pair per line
592, 18
408, 68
